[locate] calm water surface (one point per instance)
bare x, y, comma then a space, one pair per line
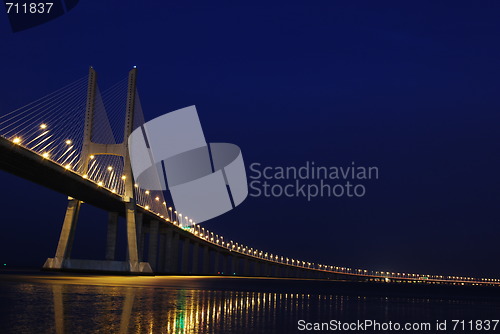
55, 303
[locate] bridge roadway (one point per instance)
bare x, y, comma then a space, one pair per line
171, 249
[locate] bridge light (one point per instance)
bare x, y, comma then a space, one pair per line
157, 198
85, 176
110, 168
147, 192
43, 126
68, 166
99, 183
136, 185
92, 157
16, 140
146, 207
113, 191
45, 155
124, 177
170, 208
69, 142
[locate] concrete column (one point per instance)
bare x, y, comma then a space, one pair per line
283, 271
223, 268
161, 252
153, 243
216, 262
196, 254
111, 237
270, 270
174, 255
262, 268
67, 233
232, 266
206, 260
256, 268
185, 256
140, 235
133, 254
246, 271
170, 253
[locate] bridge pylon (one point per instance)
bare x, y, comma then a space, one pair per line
62, 259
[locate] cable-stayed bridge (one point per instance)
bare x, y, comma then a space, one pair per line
74, 141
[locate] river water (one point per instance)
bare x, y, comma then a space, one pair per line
35, 302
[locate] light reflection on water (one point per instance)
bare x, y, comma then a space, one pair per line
66, 306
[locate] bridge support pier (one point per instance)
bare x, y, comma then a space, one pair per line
133, 221
233, 262
206, 260
160, 267
196, 255
256, 268
224, 265
170, 251
66, 238
133, 252
111, 236
246, 272
216, 262
153, 243
175, 253
140, 236
185, 256
263, 267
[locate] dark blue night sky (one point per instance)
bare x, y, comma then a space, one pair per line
410, 88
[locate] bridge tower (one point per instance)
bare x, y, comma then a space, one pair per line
62, 258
